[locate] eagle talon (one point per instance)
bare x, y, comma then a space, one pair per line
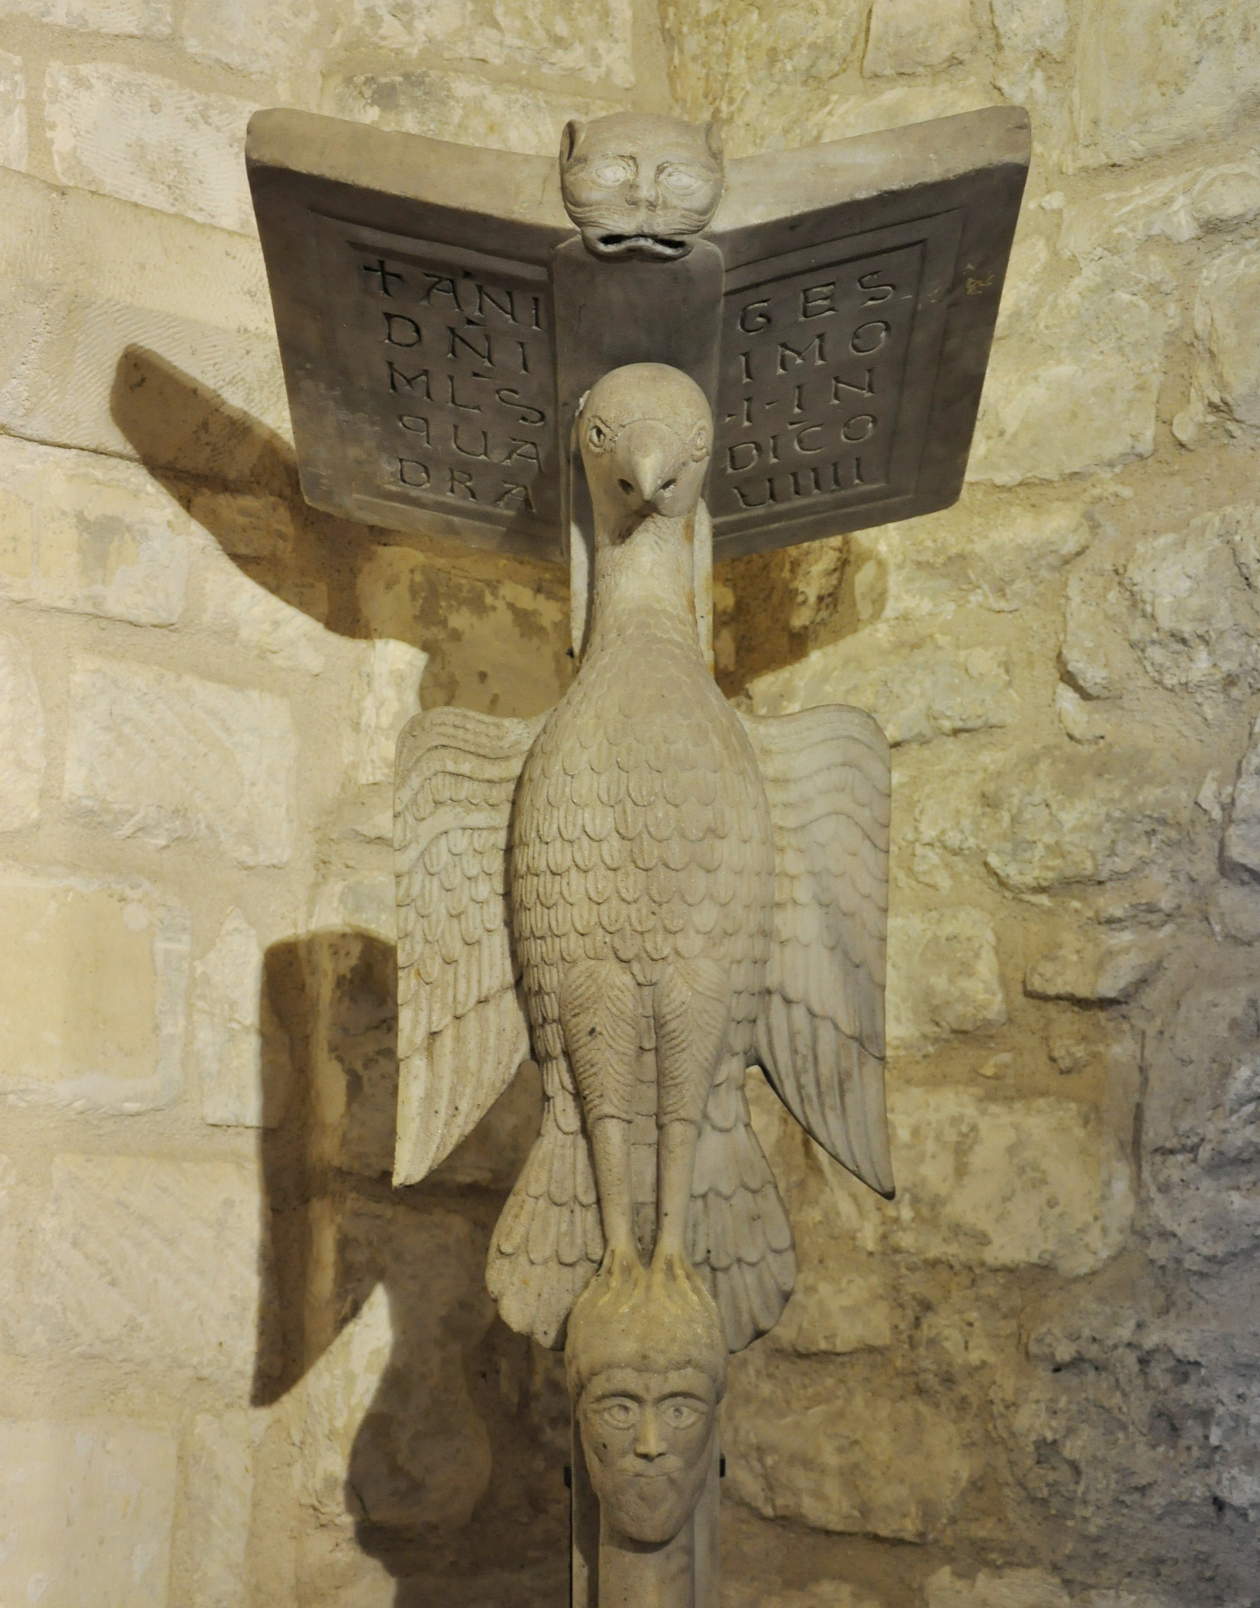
674, 1268
621, 1265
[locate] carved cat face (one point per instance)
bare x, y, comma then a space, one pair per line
638, 185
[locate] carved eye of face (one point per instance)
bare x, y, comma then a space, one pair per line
598, 436
618, 1412
681, 1412
611, 170
681, 180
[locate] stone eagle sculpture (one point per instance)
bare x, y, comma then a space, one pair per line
650, 892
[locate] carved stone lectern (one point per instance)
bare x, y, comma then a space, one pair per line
645, 890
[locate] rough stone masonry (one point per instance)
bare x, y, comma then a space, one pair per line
235, 1366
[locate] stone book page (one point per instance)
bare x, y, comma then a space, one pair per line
416, 296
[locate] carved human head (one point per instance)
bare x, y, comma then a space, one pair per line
646, 1361
645, 432
638, 185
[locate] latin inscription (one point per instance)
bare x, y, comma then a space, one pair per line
459, 374
812, 366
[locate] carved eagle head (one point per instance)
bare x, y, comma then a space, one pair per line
645, 433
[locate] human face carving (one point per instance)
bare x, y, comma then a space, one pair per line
638, 185
649, 1443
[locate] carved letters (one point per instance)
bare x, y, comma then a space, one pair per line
455, 354
455, 370
812, 371
415, 289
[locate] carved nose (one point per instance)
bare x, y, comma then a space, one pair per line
647, 464
644, 193
647, 1443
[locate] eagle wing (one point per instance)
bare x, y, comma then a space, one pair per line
462, 1030
820, 1033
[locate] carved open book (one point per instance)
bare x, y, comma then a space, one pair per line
839, 315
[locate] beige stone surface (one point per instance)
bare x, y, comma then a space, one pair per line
907, 38
147, 138
465, 622
1226, 376
1008, 1588
858, 1461
150, 1264
167, 757
93, 991
830, 1317
1092, 654
281, 41
1048, 413
1093, 966
92, 535
829, 1594
242, 1053
136, 18
991, 555
918, 686
1152, 76
388, 1400
246, 523
1235, 912
387, 695
455, 106
13, 141
723, 60
873, 107
262, 625
1027, 28
13, 1203
1003, 1184
1196, 612
1242, 834
362, 905
1058, 817
338, 1396
944, 977
218, 1499
126, 331
85, 1513
21, 736
594, 42
1194, 201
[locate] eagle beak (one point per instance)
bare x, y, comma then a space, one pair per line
648, 454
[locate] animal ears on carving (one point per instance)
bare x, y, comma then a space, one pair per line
639, 185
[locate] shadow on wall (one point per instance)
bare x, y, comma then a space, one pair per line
772, 608
449, 1460
238, 480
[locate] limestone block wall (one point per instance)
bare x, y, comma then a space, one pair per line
236, 1367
